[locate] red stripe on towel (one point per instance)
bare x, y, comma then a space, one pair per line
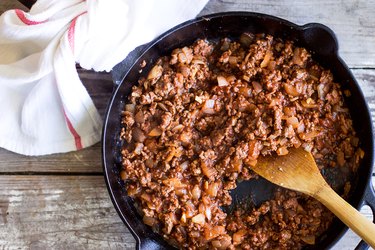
21, 15
71, 31
77, 137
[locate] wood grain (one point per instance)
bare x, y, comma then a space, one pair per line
11, 4
351, 20
27, 3
53, 212
87, 160
100, 87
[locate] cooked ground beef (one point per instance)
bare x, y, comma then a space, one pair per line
201, 118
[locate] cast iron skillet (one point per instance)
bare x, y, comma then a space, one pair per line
317, 38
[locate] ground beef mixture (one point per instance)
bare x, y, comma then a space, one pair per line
200, 119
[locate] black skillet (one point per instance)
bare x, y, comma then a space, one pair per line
317, 38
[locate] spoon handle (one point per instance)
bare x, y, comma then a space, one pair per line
347, 214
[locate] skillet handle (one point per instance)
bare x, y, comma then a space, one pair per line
320, 39
145, 243
369, 201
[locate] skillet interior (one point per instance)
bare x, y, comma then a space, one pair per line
318, 39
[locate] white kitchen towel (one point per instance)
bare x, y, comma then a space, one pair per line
44, 108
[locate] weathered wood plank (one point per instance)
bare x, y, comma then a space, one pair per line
100, 87
27, 3
11, 4
352, 21
366, 80
53, 212
87, 160
49, 212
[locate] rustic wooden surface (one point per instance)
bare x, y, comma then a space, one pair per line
60, 201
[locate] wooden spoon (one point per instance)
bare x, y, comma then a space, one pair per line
298, 171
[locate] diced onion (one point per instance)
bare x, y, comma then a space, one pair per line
239, 236
245, 91
196, 192
308, 103
185, 71
178, 127
138, 148
309, 239
223, 243
208, 107
146, 197
222, 81
189, 209
182, 57
172, 152
130, 108
138, 135
211, 233
162, 106
236, 165
199, 219
291, 90
257, 87
297, 57
321, 91
233, 60
184, 165
266, 59
181, 191
174, 182
155, 72
209, 104
282, 151
207, 213
293, 121
208, 171
155, 132
213, 189
309, 135
290, 111
150, 221
183, 218
139, 117
301, 128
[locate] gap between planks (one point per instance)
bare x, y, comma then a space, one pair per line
52, 212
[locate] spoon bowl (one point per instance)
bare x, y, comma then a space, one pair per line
298, 171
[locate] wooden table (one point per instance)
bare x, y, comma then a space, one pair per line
60, 201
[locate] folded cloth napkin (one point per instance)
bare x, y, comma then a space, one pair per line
44, 108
